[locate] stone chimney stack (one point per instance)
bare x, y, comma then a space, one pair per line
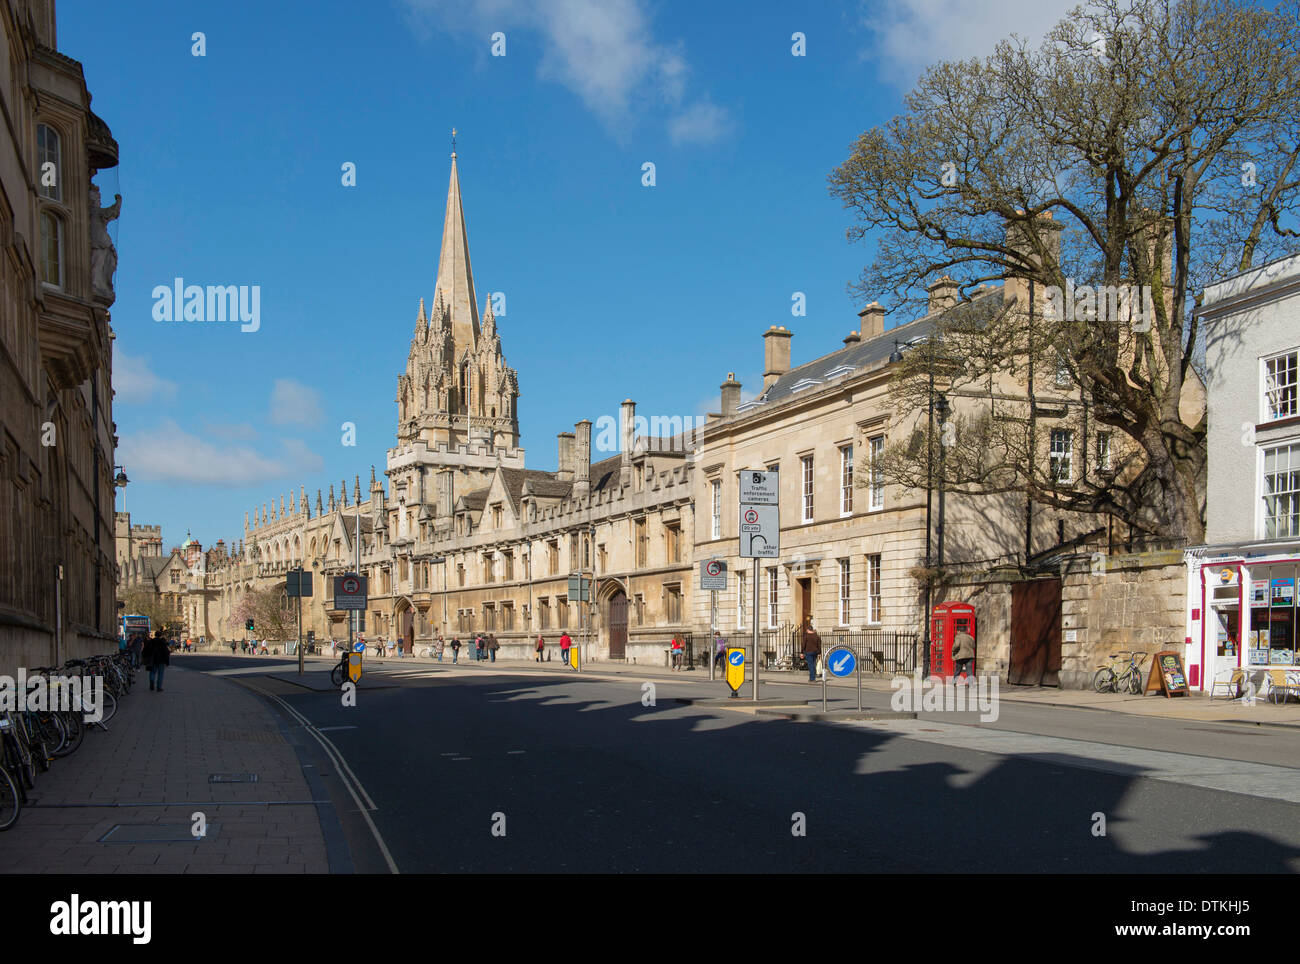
873, 320
1018, 239
944, 293
564, 443
582, 460
730, 395
852, 338
776, 354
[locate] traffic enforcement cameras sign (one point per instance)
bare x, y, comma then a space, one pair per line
760, 517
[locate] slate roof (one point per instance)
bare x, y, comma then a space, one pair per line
544, 484
820, 371
604, 474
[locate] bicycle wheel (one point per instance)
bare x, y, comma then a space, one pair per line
109, 706
1103, 681
1135, 682
36, 742
336, 676
55, 733
10, 802
74, 730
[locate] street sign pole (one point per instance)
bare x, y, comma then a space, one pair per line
300, 629
825, 673
755, 584
713, 625
859, 674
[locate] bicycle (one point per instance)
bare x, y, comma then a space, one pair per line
1131, 678
1119, 674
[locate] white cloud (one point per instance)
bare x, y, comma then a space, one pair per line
230, 431
701, 123
134, 382
604, 51
912, 34
170, 454
293, 403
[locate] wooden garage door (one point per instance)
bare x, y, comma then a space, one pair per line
1036, 633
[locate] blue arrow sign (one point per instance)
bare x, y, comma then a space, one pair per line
737, 658
842, 662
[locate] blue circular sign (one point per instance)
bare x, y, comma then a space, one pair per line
737, 658
841, 662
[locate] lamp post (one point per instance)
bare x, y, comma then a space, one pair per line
895, 358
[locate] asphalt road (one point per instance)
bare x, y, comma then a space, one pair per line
474, 771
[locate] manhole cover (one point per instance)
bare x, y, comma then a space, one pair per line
232, 778
129, 833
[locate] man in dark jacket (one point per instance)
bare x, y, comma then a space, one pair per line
493, 646
812, 647
157, 656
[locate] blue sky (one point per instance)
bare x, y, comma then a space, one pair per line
231, 174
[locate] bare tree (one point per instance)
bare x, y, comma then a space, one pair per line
1143, 150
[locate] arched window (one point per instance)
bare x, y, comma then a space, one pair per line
51, 249
49, 166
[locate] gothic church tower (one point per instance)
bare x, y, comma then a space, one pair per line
456, 401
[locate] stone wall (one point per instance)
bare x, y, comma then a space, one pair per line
1109, 603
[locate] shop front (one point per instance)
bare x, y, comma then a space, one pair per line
1243, 616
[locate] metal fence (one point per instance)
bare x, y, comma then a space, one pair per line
883, 651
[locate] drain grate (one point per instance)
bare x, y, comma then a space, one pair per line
131, 833
251, 736
232, 778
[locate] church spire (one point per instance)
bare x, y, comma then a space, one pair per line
455, 278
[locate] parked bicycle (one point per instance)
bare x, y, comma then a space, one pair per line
1122, 675
32, 739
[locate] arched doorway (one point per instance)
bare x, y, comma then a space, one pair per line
618, 625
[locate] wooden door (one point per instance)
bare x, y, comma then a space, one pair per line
618, 626
1035, 633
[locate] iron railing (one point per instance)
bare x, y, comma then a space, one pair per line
882, 651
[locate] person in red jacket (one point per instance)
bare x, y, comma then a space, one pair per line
541, 647
565, 643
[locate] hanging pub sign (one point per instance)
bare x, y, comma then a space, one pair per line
1167, 675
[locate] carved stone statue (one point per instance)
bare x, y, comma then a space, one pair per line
103, 256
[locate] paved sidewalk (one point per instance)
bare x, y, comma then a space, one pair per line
150, 774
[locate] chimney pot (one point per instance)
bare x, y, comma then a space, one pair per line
873, 321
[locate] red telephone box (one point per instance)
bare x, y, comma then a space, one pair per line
946, 621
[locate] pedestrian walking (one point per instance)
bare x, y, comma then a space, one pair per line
719, 648
455, 649
812, 647
540, 647
678, 650
233, 647
478, 648
137, 649
493, 646
157, 655
963, 655
439, 646
565, 644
